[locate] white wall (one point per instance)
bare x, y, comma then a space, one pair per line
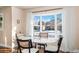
28, 23
77, 27
18, 14
6, 38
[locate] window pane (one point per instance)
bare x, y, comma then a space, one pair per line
36, 28
59, 18
59, 28
36, 20
48, 22
59, 22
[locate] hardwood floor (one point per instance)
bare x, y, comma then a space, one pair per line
9, 50
40, 51
5, 50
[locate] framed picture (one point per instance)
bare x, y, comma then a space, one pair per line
1, 21
18, 21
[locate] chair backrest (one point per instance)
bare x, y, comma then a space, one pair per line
45, 35
59, 43
36, 34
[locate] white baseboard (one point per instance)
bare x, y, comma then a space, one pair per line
5, 45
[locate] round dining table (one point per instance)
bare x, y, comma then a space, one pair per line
39, 39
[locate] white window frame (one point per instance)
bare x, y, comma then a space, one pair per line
49, 13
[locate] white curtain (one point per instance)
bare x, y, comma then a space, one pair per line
68, 29
29, 23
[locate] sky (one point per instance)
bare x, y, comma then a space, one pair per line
45, 18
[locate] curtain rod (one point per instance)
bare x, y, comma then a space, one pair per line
46, 10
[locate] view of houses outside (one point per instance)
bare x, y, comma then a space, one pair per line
59, 22
47, 22
36, 23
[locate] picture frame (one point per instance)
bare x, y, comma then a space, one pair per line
1, 21
18, 21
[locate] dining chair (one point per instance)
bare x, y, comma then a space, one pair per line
54, 48
25, 46
36, 36
43, 35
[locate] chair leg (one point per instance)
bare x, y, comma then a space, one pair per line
37, 51
17, 50
44, 48
35, 45
20, 51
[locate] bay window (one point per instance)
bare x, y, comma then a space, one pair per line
50, 23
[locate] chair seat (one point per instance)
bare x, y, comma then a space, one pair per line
32, 50
51, 48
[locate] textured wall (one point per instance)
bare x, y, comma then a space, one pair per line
6, 33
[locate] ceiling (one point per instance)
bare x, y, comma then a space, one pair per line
27, 7
24, 7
